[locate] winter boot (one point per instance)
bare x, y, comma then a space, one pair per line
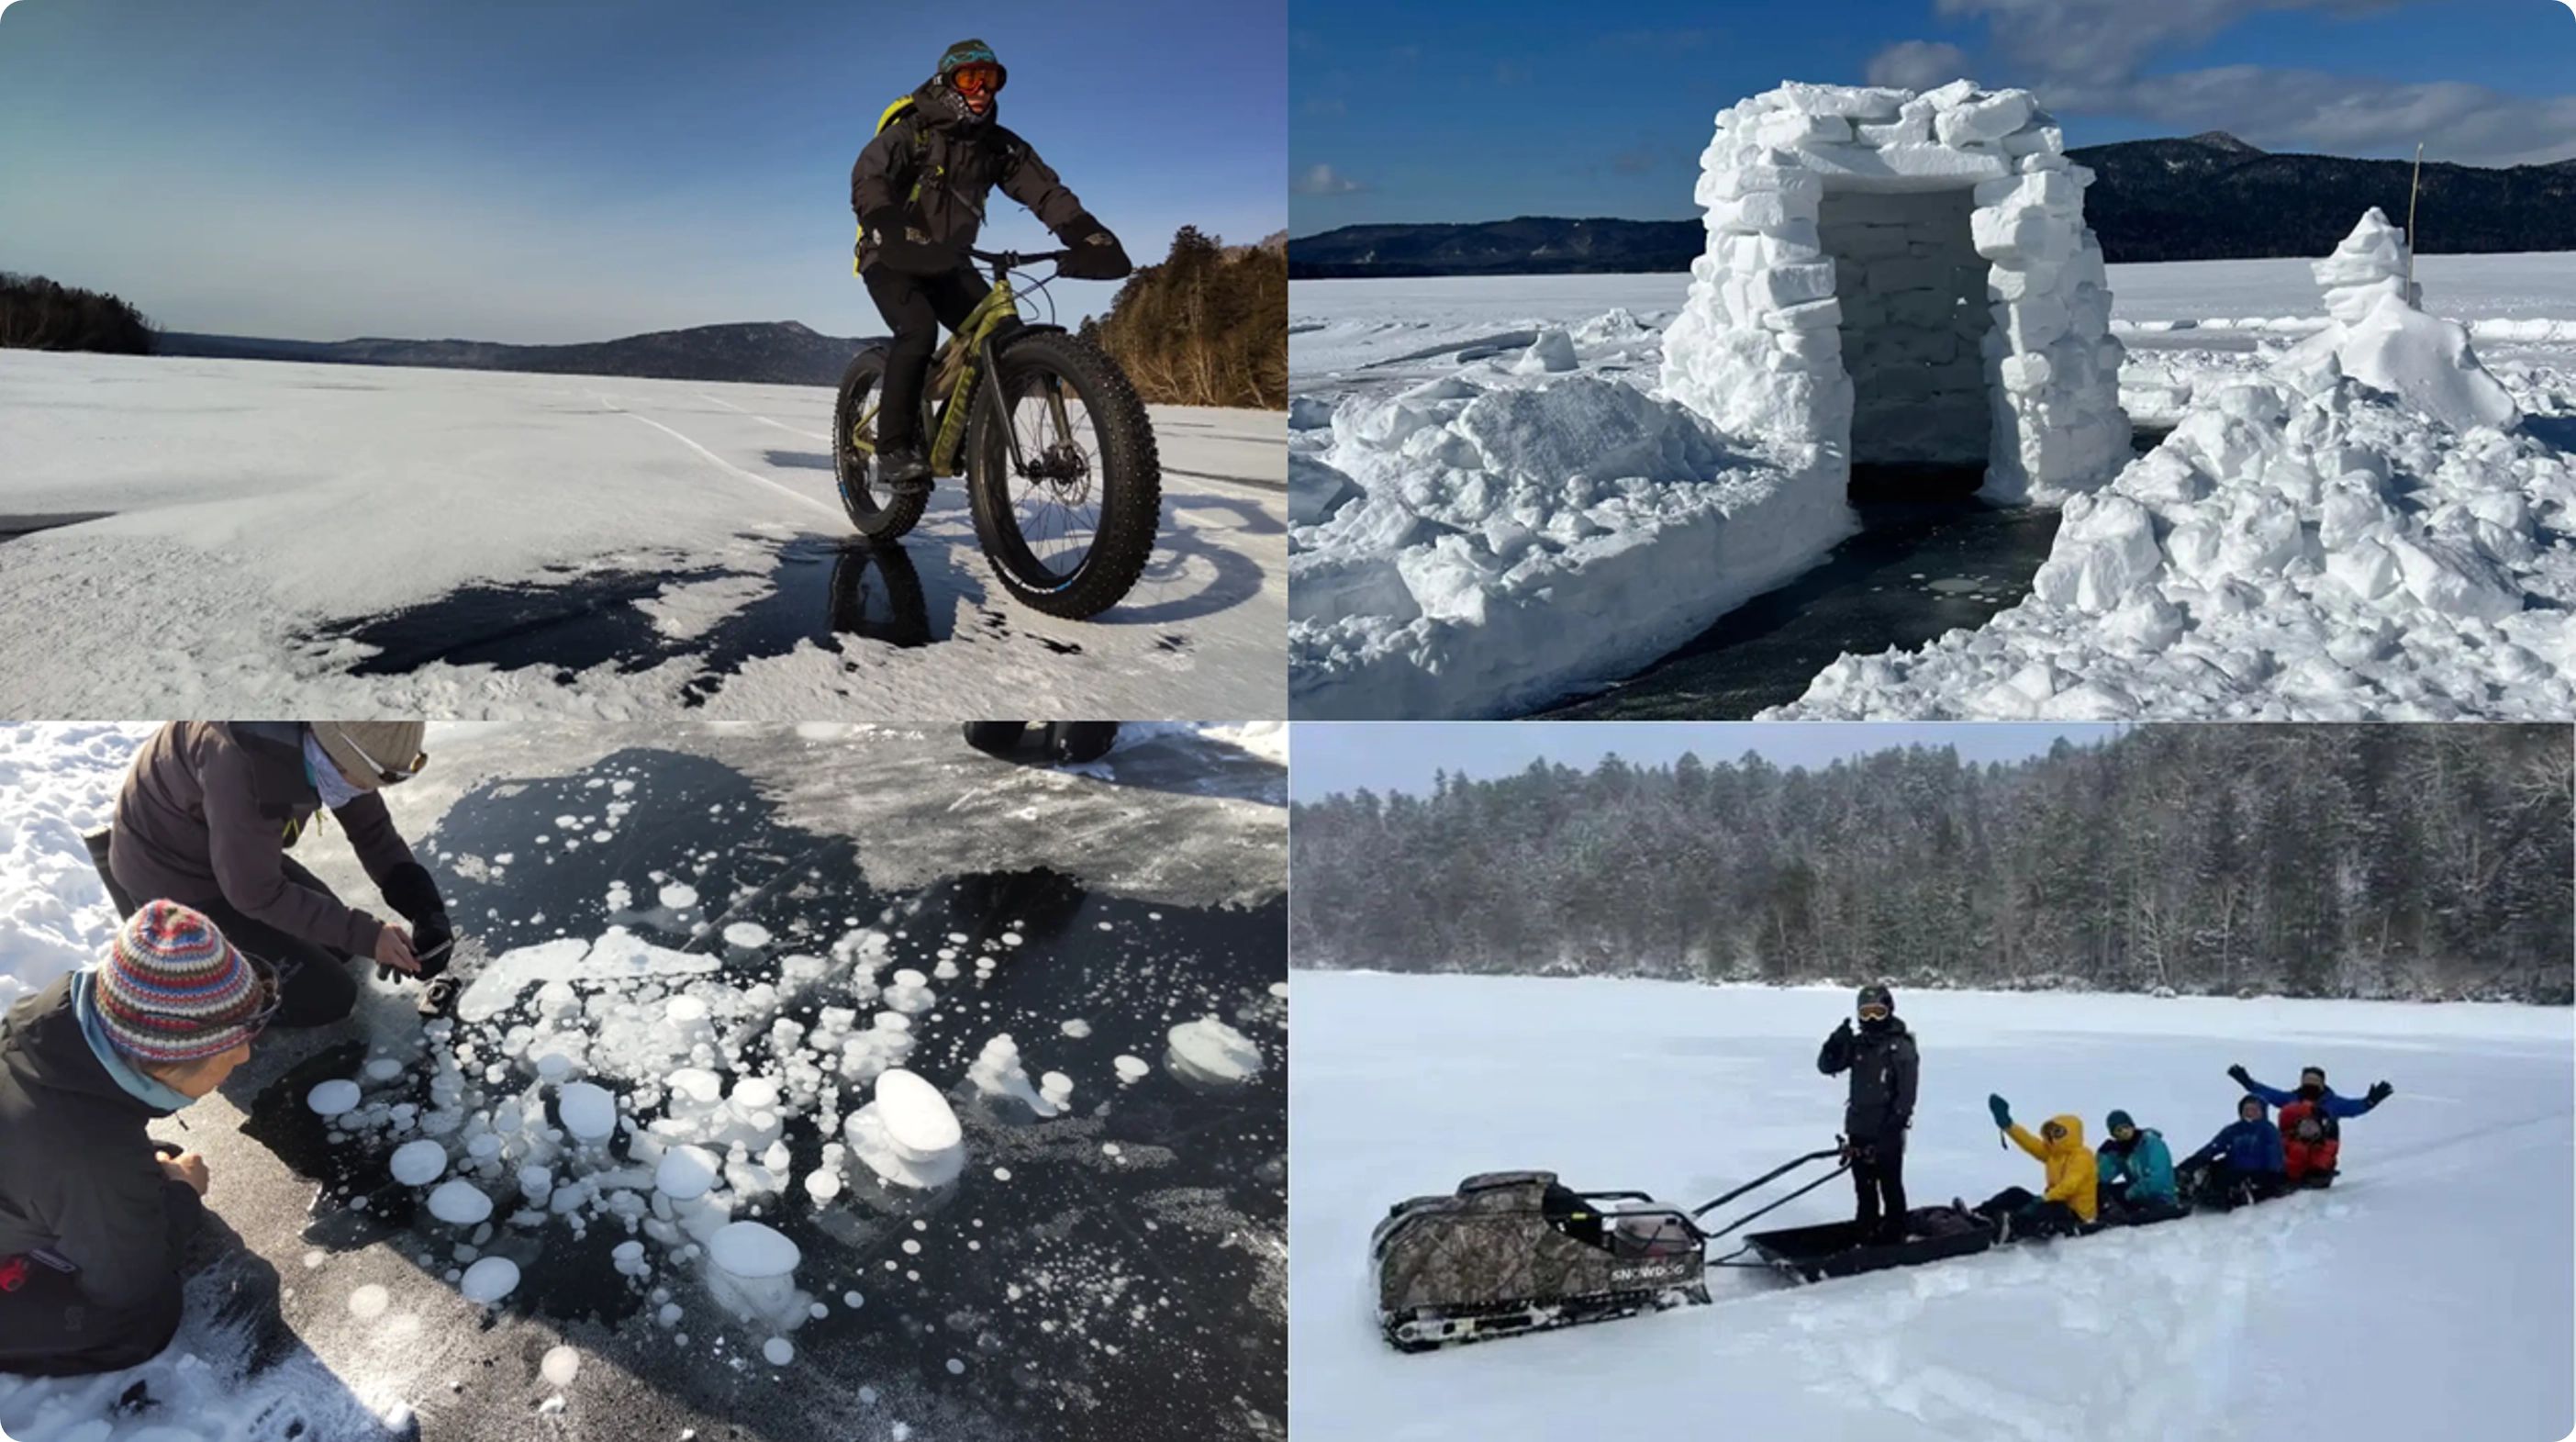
904, 471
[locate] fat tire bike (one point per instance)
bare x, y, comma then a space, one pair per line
1053, 442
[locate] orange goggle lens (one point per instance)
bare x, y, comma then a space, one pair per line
976, 79
1873, 1013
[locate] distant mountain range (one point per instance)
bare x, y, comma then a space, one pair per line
766, 352
2208, 197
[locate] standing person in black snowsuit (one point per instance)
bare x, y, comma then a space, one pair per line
919, 189
1880, 1057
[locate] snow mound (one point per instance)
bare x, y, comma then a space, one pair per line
2351, 533
1515, 539
57, 783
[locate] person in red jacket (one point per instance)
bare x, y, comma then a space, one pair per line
2310, 1142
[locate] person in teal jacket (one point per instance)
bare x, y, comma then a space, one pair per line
2137, 1172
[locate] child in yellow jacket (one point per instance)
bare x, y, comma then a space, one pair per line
2071, 1200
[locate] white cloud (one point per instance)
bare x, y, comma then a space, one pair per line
2091, 57
1324, 180
1918, 64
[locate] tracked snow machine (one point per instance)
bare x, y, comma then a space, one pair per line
1513, 1252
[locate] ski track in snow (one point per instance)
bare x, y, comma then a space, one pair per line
255, 506
2429, 1291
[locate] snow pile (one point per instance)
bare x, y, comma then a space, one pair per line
57, 783
1467, 522
2187, 1329
2383, 339
2352, 533
1901, 277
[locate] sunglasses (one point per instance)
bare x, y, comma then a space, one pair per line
976, 79
386, 774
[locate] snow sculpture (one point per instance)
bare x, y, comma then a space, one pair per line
1904, 279
2382, 337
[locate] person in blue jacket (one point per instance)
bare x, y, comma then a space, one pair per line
2137, 1174
2242, 1163
2313, 1090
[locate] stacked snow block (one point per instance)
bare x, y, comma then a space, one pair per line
1835, 257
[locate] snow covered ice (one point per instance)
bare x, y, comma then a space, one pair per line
2446, 1245
691, 521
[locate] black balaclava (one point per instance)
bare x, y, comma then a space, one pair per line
2312, 1089
1881, 996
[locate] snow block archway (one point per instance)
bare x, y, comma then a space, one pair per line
1903, 279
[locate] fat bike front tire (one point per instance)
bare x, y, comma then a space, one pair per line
878, 513
1070, 534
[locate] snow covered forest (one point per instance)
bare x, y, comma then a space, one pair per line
2422, 862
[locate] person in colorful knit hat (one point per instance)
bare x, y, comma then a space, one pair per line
94, 1215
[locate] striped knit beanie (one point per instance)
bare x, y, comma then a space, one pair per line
173, 990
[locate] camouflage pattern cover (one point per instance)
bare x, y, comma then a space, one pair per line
1491, 1243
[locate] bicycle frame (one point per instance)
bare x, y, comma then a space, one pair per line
966, 355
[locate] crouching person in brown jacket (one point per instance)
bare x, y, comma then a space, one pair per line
208, 813
93, 1220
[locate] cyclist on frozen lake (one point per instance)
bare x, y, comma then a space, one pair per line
919, 189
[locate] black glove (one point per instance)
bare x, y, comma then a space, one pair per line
2380, 1092
2240, 1075
1844, 1028
433, 941
1097, 255
905, 249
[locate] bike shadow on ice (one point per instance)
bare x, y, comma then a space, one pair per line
984, 1303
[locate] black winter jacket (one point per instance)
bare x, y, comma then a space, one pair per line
1882, 1065
78, 1176
957, 158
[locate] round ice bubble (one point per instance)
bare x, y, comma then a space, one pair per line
679, 897
333, 1097
417, 1164
489, 1280
749, 1249
687, 1173
1207, 1049
589, 1112
748, 935
459, 1203
561, 1365
779, 1351
916, 1116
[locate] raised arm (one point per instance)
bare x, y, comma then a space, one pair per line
1835, 1057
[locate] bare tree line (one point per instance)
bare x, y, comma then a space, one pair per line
39, 314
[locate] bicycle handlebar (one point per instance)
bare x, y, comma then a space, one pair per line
1013, 259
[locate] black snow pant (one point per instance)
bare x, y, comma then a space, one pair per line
316, 987
2223, 1187
49, 1329
2030, 1216
1878, 1177
916, 306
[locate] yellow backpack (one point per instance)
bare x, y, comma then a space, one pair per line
920, 148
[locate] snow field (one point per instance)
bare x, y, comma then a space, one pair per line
2435, 1285
57, 784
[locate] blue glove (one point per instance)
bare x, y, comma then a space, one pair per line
2003, 1113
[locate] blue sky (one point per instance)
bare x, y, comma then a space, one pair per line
574, 171
1325, 757
1486, 109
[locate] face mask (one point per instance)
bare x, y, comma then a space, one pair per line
335, 789
2312, 1090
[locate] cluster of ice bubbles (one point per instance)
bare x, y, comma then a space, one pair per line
646, 1091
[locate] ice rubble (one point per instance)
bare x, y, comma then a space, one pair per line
1890, 277
2354, 532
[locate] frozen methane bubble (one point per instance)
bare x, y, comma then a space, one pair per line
751, 1272
686, 1173
589, 1112
333, 1097
748, 935
1208, 1050
383, 1068
417, 1164
679, 897
997, 1072
1131, 1068
907, 1134
779, 1351
560, 1366
459, 1203
489, 1280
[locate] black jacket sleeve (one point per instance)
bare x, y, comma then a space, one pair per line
1030, 181
883, 176
1835, 1058
1907, 1061
123, 1222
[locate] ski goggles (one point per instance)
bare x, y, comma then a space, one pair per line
386, 774
1875, 1012
980, 77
